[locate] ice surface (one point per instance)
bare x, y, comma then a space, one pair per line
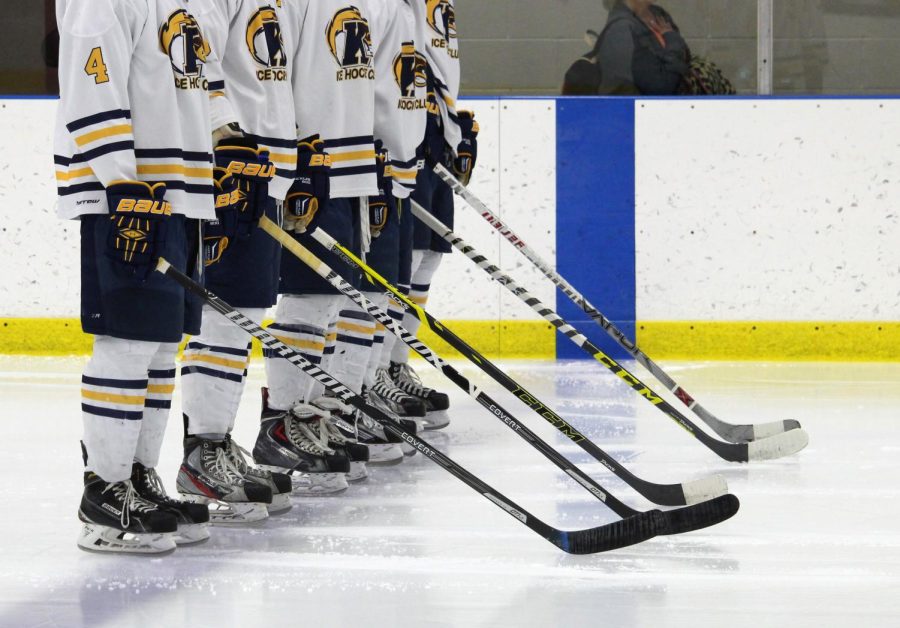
816, 543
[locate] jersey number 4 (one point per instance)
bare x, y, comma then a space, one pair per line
96, 67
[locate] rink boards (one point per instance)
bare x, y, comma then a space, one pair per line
714, 229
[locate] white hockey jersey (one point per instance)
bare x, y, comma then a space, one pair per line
135, 82
257, 63
334, 87
437, 23
400, 89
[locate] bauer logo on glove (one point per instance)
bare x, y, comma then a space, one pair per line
139, 213
467, 151
251, 170
313, 185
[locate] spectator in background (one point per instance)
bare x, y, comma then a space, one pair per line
640, 51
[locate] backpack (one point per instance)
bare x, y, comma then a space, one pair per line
583, 76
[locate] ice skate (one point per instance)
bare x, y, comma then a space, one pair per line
371, 426
279, 483
342, 435
295, 441
400, 402
208, 476
406, 379
193, 519
118, 520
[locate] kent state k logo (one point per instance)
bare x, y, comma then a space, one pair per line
266, 45
180, 38
441, 18
409, 73
350, 42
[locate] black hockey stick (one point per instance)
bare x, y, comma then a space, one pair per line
775, 446
684, 519
665, 494
730, 432
612, 536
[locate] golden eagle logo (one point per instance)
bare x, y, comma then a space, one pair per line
441, 18
180, 37
264, 40
349, 39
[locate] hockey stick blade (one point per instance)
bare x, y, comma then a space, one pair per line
728, 431
628, 531
777, 445
701, 515
726, 450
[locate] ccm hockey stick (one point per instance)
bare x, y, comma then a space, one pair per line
728, 431
684, 519
775, 446
664, 494
612, 536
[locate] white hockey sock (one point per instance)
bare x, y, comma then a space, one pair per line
395, 311
378, 342
113, 391
347, 363
158, 403
424, 266
214, 371
300, 323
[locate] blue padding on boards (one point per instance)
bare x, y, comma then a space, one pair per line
595, 216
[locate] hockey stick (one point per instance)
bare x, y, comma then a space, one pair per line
684, 519
728, 431
629, 531
775, 446
665, 494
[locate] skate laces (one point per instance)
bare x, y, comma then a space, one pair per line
302, 432
385, 387
408, 380
154, 484
131, 500
239, 457
222, 464
336, 406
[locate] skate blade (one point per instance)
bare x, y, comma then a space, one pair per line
385, 455
437, 420
281, 503
191, 534
101, 539
357, 473
230, 513
315, 484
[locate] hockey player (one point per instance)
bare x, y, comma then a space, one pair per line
256, 119
450, 139
133, 157
400, 118
333, 83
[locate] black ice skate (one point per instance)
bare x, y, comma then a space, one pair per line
296, 442
208, 476
193, 519
400, 402
370, 426
342, 435
118, 520
406, 379
280, 483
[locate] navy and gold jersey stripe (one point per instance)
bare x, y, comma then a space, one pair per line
97, 118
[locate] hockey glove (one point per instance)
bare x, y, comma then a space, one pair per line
382, 205
251, 169
467, 152
138, 215
219, 233
312, 187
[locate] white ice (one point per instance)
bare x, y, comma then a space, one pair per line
816, 542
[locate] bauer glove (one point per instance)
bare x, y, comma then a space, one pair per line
312, 187
251, 169
138, 215
467, 151
219, 233
381, 206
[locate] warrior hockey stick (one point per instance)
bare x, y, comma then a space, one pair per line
728, 431
681, 520
775, 446
614, 535
665, 494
